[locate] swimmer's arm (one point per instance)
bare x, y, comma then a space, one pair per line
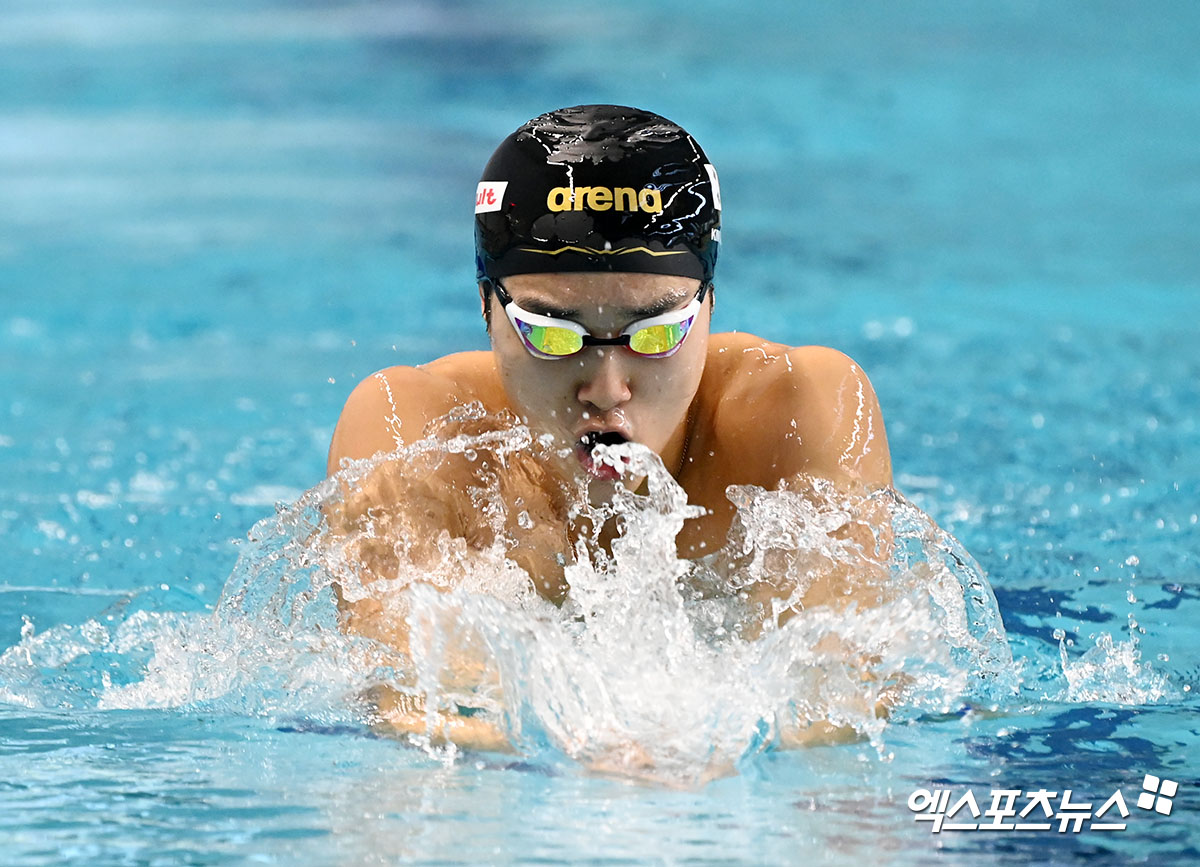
813, 415
840, 436
391, 502
847, 444
386, 410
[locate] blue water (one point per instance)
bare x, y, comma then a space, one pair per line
215, 219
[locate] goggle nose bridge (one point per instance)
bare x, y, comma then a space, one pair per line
620, 340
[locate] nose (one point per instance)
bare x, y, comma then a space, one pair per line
605, 383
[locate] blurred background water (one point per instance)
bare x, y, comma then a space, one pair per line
215, 219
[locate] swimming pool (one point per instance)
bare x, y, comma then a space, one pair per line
216, 220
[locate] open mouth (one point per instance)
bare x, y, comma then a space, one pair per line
588, 443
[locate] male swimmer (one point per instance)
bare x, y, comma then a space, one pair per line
596, 235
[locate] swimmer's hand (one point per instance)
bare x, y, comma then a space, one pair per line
397, 714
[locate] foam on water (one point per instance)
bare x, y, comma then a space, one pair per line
653, 666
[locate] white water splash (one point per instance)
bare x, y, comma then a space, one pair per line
652, 666
1112, 672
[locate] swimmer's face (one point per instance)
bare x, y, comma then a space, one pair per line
604, 393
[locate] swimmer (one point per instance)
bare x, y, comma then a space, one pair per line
596, 236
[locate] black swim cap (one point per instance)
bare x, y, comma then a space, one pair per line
598, 188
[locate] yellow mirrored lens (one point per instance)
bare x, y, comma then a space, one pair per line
555, 341
656, 339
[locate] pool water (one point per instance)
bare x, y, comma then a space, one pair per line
216, 220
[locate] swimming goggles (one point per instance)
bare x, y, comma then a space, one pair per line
548, 337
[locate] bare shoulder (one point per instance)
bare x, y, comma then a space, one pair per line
807, 409
749, 368
393, 406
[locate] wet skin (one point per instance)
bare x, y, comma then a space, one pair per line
725, 409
